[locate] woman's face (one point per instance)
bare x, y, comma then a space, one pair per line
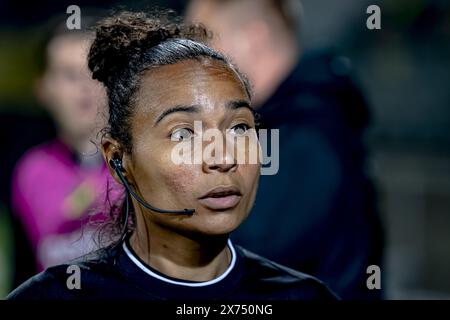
169, 100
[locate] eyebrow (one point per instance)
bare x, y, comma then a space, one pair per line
188, 109
239, 104
233, 105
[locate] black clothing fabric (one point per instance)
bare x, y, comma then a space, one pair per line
118, 273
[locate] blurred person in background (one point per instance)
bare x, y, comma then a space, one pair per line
331, 227
56, 184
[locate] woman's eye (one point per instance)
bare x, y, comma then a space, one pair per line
181, 134
240, 129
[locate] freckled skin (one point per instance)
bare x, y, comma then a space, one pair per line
186, 247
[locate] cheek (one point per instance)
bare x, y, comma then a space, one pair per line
251, 177
62, 98
179, 178
61, 88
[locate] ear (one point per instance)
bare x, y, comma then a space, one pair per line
111, 149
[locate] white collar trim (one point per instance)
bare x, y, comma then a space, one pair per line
182, 283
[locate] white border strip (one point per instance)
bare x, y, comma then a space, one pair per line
187, 284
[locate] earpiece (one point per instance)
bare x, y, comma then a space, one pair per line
116, 164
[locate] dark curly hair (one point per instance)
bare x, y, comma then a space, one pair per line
129, 43
125, 45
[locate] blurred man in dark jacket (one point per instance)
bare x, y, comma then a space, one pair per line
317, 214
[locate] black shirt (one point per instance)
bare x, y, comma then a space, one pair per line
119, 273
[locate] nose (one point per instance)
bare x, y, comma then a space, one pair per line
221, 167
220, 160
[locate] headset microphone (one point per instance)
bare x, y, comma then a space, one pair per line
116, 164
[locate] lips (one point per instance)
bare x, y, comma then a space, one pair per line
221, 198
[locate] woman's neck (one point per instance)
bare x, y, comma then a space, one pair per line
181, 257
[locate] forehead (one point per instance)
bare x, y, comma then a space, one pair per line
68, 50
205, 82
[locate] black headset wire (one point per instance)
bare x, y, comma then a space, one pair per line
116, 164
124, 230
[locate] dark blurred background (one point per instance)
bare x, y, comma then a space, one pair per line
404, 69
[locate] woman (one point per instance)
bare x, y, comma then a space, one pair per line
160, 79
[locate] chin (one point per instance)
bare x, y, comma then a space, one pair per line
218, 223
